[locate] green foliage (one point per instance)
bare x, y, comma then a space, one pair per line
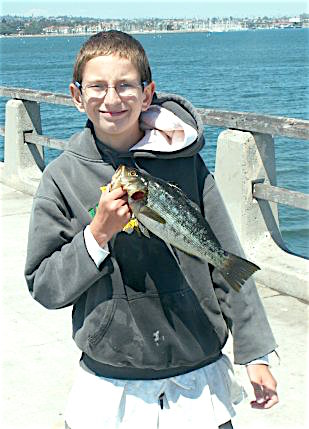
34, 27
8, 27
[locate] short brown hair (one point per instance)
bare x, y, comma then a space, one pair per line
113, 42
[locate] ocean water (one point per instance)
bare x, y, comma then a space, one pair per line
265, 71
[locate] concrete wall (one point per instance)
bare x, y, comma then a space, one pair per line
242, 159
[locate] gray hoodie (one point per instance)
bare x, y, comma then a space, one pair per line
148, 311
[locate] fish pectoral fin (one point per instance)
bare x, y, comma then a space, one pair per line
146, 211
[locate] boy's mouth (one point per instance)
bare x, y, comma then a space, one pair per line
112, 114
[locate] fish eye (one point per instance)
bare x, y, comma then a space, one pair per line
132, 173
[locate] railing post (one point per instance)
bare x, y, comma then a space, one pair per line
244, 158
19, 169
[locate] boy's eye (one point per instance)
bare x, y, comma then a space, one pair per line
125, 88
97, 87
124, 85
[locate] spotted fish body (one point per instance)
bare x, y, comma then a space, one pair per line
184, 227
165, 210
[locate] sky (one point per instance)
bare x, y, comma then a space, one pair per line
154, 9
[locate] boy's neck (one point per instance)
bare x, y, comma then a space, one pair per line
121, 143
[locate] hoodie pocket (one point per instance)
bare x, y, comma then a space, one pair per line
104, 321
89, 330
155, 331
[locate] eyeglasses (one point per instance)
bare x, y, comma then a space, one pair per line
99, 90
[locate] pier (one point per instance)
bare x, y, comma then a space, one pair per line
38, 355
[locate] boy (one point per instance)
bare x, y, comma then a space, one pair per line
151, 321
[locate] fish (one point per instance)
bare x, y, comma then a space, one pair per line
167, 212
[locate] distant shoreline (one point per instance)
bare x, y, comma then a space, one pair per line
90, 34
20, 36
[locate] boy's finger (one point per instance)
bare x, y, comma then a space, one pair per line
258, 393
271, 398
265, 398
113, 194
120, 195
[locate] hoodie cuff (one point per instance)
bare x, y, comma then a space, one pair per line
264, 360
97, 253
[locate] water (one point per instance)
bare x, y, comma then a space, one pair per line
254, 71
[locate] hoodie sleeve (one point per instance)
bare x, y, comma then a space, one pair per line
243, 311
58, 267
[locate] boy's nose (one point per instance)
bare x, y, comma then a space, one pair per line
111, 95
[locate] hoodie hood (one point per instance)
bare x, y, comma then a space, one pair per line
164, 131
183, 140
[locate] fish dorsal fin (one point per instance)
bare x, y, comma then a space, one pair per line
194, 205
180, 191
146, 211
174, 185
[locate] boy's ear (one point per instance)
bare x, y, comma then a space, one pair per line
77, 97
147, 95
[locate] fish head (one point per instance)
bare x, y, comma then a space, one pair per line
132, 181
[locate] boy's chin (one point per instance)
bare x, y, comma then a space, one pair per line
119, 139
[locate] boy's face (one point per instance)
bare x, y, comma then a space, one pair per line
115, 116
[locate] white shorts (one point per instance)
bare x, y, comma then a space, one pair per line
199, 399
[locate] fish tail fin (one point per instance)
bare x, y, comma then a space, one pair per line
237, 270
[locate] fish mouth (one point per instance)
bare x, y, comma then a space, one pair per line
129, 180
138, 195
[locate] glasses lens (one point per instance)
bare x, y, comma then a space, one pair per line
126, 89
95, 91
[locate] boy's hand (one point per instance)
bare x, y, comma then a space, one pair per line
112, 214
264, 386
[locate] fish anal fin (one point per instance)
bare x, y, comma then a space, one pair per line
143, 230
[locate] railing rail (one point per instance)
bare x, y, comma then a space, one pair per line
277, 195
274, 125
49, 142
265, 124
36, 95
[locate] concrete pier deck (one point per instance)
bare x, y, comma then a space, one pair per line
38, 357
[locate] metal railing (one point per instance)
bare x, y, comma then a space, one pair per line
252, 122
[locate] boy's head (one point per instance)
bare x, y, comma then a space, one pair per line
112, 84
113, 42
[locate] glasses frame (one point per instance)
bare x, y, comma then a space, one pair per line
142, 85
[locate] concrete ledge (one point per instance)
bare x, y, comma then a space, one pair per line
23, 183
